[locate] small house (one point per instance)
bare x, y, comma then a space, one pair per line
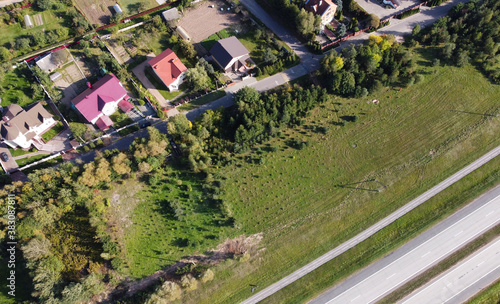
169, 69
324, 8
230, 55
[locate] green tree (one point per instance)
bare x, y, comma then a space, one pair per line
416, 30
374, 21
268, 56
197, 78
45, 4
306, 22
5, 54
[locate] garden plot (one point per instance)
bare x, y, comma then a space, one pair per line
71, 83
38, 19
96, 12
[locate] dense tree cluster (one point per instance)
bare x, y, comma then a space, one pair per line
471, 31
303, 22
366, 68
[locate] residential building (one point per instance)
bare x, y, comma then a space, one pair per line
171, 14
101, 100
231, 55
21, 128
324, 8
169, 69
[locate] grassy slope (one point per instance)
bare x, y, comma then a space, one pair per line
17, 89
409, 142
202, 100
488, 295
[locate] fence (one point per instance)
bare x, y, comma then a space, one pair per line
338, 40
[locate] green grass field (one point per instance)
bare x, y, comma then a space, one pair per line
488, 296
202, 100
303, 200
210, 41
160, 234
130, 6
160, 86
11, 32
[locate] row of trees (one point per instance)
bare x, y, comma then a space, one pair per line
470, 31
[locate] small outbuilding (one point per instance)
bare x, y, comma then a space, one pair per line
27, 21
117, 9
171, 14
182, 32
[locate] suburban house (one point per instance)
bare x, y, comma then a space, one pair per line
23, 128
324, 8
169, 69
101, 100
231, 55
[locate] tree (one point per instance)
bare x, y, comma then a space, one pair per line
178, 126
166, 293
448, 49
78, 129
340, 6
188, 282
268, 56
374, 21
416, 30
116, 18
246, 95
5, 54
198, 78
36, 249
187, 49
23, 44
44, 5
305, 22
119, 163
347, 84
462, 58
341, 30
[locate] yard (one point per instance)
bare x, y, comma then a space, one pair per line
132, 7
16, 88
97, 12
160, 86
410, 141
53, 131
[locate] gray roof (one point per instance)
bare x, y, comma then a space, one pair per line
171, 14
46, 63
225, 50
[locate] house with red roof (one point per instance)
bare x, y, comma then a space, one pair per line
324, 8
169, 69
101, 100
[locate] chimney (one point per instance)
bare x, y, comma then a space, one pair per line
320, 1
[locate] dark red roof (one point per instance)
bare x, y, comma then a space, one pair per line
104, 122
125, 106
167, 66
91, 101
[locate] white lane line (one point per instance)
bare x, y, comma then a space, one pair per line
390, 276
490, 213
459, 233
426, 254
480, 263
472, 284
355, 298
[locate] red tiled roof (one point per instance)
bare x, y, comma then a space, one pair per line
125, 106
91, 101
104, 122
167, 66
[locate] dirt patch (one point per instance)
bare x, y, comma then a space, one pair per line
228, 249
201, 21
96, 12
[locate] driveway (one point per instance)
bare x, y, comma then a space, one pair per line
374, 7
9, 165
139, 72
58, 143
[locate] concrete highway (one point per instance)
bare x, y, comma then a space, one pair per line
371, 230
462, 281
418, 255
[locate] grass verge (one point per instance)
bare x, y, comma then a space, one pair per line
449, 262
202, 100
161, 87
53, 131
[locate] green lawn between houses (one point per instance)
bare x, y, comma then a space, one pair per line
202, 100
411, 141
53, 131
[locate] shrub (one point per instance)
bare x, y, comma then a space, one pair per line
167, 292
207, 276
188, 282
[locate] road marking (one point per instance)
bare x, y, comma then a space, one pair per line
490, 213
355, 298
390, 276
459, 233
426, 254
480, 263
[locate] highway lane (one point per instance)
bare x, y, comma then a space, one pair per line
432, 246
372, 229
463, 280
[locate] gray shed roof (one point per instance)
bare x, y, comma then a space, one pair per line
46, 63
171, 14
225, 50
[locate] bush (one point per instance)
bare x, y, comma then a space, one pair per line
188, 282
207, 276
168, 291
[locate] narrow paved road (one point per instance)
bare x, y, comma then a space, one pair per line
369, 286
373, 229
462, 281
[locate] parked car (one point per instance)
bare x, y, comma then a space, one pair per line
145, 125
4, 156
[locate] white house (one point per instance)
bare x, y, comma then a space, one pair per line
169, 69
20, 128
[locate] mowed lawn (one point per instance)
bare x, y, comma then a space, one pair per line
304, 201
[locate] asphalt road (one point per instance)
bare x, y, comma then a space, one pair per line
418, 255
371, 230
463, 281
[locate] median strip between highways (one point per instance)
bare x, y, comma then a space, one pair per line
373, 229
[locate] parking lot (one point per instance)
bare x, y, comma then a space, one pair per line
201, 21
